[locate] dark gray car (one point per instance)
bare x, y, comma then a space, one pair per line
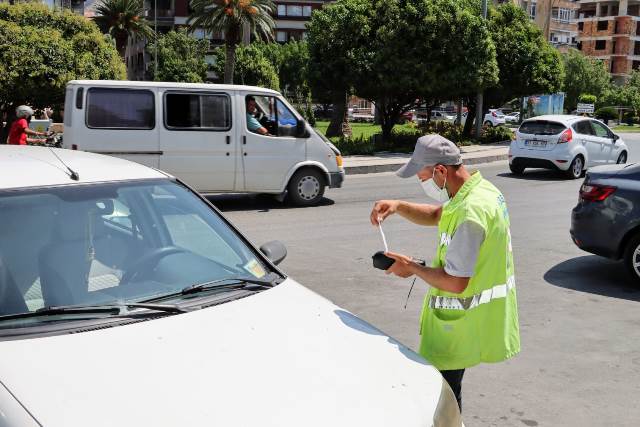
606, 220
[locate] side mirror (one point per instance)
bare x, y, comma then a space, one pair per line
275, 251
615, 137
301, 129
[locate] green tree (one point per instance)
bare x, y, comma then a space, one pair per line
336, 33
252, 67
41, 50
180, 57
122, 19
528, 64
409, 53
583, 74
230, 17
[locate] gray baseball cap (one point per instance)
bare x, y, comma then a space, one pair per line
431, 150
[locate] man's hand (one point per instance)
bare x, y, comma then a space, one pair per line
382, 209
403, 267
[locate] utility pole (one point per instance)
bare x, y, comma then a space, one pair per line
155, 44
479, 115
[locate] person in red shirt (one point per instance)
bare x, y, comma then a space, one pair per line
18, 134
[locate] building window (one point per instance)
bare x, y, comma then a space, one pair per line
306, 11
281, 36
532, 11
603, 25
579, 45
580, 26
293, 10
636, 48
601, 44
282, 10
636, 65
561, 14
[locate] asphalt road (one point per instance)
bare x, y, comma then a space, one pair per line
579, 317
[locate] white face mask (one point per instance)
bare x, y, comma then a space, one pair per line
432, 190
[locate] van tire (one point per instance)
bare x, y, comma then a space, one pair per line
488, 124
306, 187
516, 170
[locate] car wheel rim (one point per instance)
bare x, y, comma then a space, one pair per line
577, 167
636, 261
309, 187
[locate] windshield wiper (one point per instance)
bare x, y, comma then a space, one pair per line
110, 309
230, 282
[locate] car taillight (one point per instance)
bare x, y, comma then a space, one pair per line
595, 193
493, 113
565, 137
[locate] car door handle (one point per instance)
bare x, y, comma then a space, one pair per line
228, 139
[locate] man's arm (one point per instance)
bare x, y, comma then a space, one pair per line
436, 277
421, 214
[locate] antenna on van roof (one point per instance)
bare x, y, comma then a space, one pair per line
72, 174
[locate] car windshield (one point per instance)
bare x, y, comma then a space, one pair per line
112, 243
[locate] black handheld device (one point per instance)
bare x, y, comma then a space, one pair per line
381, 261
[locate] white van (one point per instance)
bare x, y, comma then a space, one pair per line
200, 134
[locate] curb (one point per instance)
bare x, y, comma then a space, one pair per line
392, 167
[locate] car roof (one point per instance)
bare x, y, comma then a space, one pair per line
31, 166
171, 85
562, 118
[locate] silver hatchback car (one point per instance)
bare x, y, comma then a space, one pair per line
567, 143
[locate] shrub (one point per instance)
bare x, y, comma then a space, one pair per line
606, 113
586, 98
496, 134
448, 130
630, 118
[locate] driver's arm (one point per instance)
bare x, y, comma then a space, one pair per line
254, 126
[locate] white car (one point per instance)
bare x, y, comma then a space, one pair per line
126, 299
494, 118
512, 117
567, 143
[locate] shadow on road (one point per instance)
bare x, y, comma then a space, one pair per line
253, 202
594, 275
537, 175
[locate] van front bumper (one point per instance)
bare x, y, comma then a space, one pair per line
336, 179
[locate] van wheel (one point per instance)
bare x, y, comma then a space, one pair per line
575, 169
516, 170
632, 258
488, 123
306, 187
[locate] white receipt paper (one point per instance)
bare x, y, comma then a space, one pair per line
384, 240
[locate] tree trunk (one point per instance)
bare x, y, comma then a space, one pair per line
230, 63
121, 45
339, 116
468, 124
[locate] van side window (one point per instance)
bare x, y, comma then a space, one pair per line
270, 113
120, 108
197, 111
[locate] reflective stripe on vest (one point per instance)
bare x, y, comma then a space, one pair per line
453, 303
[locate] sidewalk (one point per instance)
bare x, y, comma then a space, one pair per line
386, 162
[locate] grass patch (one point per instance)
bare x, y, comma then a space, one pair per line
626, 128
364, 130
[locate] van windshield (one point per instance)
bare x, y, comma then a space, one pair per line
110, 244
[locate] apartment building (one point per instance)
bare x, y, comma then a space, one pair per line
609, 30
556, 19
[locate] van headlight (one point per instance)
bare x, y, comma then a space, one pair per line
447, 412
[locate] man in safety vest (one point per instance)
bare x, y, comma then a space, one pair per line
470, 313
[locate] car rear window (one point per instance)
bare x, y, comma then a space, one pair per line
541, 127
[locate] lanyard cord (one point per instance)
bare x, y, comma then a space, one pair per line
409, 294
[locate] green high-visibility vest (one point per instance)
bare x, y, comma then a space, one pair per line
480, 324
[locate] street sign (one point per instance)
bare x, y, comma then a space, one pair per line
585, 108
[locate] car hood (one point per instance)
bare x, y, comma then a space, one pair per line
283, 357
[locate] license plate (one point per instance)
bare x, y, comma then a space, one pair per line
535, 143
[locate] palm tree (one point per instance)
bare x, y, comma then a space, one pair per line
122, 19
232, 18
